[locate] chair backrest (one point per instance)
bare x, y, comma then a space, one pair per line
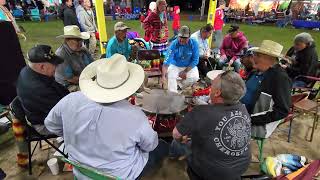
17, 13
35, 12
298, 97
89, 171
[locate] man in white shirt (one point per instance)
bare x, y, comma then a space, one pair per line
101, 129
206, 63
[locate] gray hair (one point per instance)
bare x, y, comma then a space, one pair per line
232, 87
304, 38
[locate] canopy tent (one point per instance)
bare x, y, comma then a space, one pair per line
268, 5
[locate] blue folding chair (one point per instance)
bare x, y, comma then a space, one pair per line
35, 14
18, 14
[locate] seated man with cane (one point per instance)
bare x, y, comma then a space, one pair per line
182, 61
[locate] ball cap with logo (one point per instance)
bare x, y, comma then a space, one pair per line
42, 54
120, 26
184, 32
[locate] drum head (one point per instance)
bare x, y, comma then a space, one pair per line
163, 102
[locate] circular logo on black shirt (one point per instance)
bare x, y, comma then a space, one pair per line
234, 134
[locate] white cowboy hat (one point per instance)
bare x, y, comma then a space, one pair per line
270, 48
111, 80
73, 31
214, 73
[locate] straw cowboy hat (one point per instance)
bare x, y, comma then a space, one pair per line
73, 31
111, 80
270, 48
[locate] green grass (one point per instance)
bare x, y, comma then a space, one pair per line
46, 32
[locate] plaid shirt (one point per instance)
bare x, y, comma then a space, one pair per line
153, 27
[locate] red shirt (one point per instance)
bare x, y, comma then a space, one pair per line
218, 20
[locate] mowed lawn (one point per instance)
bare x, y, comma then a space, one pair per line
46, 32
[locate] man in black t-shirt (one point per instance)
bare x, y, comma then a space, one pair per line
220, 132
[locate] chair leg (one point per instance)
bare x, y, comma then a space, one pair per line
260, 143
29, 156
315, 120
56, 148
40, 144
289, 133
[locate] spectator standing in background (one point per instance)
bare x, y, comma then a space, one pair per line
68, 14
152, 8
218, 24
156, 25
88, 24
176, 20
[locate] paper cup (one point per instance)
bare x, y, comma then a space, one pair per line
53, 165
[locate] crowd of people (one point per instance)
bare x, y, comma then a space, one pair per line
101, 129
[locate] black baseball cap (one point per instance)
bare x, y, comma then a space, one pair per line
43, 53
233, 28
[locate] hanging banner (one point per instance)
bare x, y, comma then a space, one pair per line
211, 16
101, 20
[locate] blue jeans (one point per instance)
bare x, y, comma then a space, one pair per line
236, 64
155, 157
218, 36
178, 149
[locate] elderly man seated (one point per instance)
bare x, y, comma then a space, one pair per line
36, 87
119, 43
101, 129
232, 46
76, 57
182, 61
304, 59
201, 37
268, 96
219, 132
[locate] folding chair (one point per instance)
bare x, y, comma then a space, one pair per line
31, 134
89, 171
294, 99
18, 14
35, 14
310, 107
4, 125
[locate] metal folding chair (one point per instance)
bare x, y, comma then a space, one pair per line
31, 134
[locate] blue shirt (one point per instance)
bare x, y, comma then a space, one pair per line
121, 48
3, 16
252, 85
114, 138
183, 55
